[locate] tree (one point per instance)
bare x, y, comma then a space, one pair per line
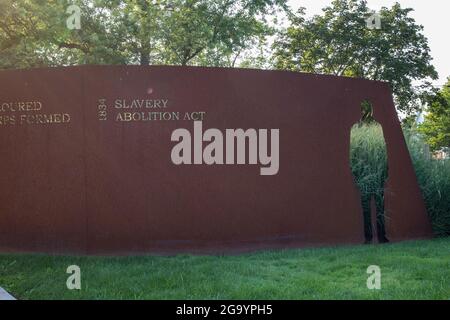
22, 34
180, 32
436, 124
34, 33
339, 42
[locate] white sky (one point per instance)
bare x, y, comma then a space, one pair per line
433, 15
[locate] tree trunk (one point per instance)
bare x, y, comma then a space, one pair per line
145, 58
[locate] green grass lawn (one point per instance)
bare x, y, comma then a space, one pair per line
409, 270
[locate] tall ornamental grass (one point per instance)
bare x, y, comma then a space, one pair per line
434, 181
433, 175
368, 159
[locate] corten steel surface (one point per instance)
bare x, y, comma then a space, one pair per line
109, 187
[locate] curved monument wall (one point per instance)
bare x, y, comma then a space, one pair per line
86, 161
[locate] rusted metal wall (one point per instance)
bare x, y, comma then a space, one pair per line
82, 184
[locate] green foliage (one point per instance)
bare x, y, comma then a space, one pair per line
434, 181
338, 42
24, 33
436, 125
197, 32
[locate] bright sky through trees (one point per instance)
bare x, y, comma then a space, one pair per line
432, 14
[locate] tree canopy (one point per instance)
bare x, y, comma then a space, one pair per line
338, 42
180, 32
